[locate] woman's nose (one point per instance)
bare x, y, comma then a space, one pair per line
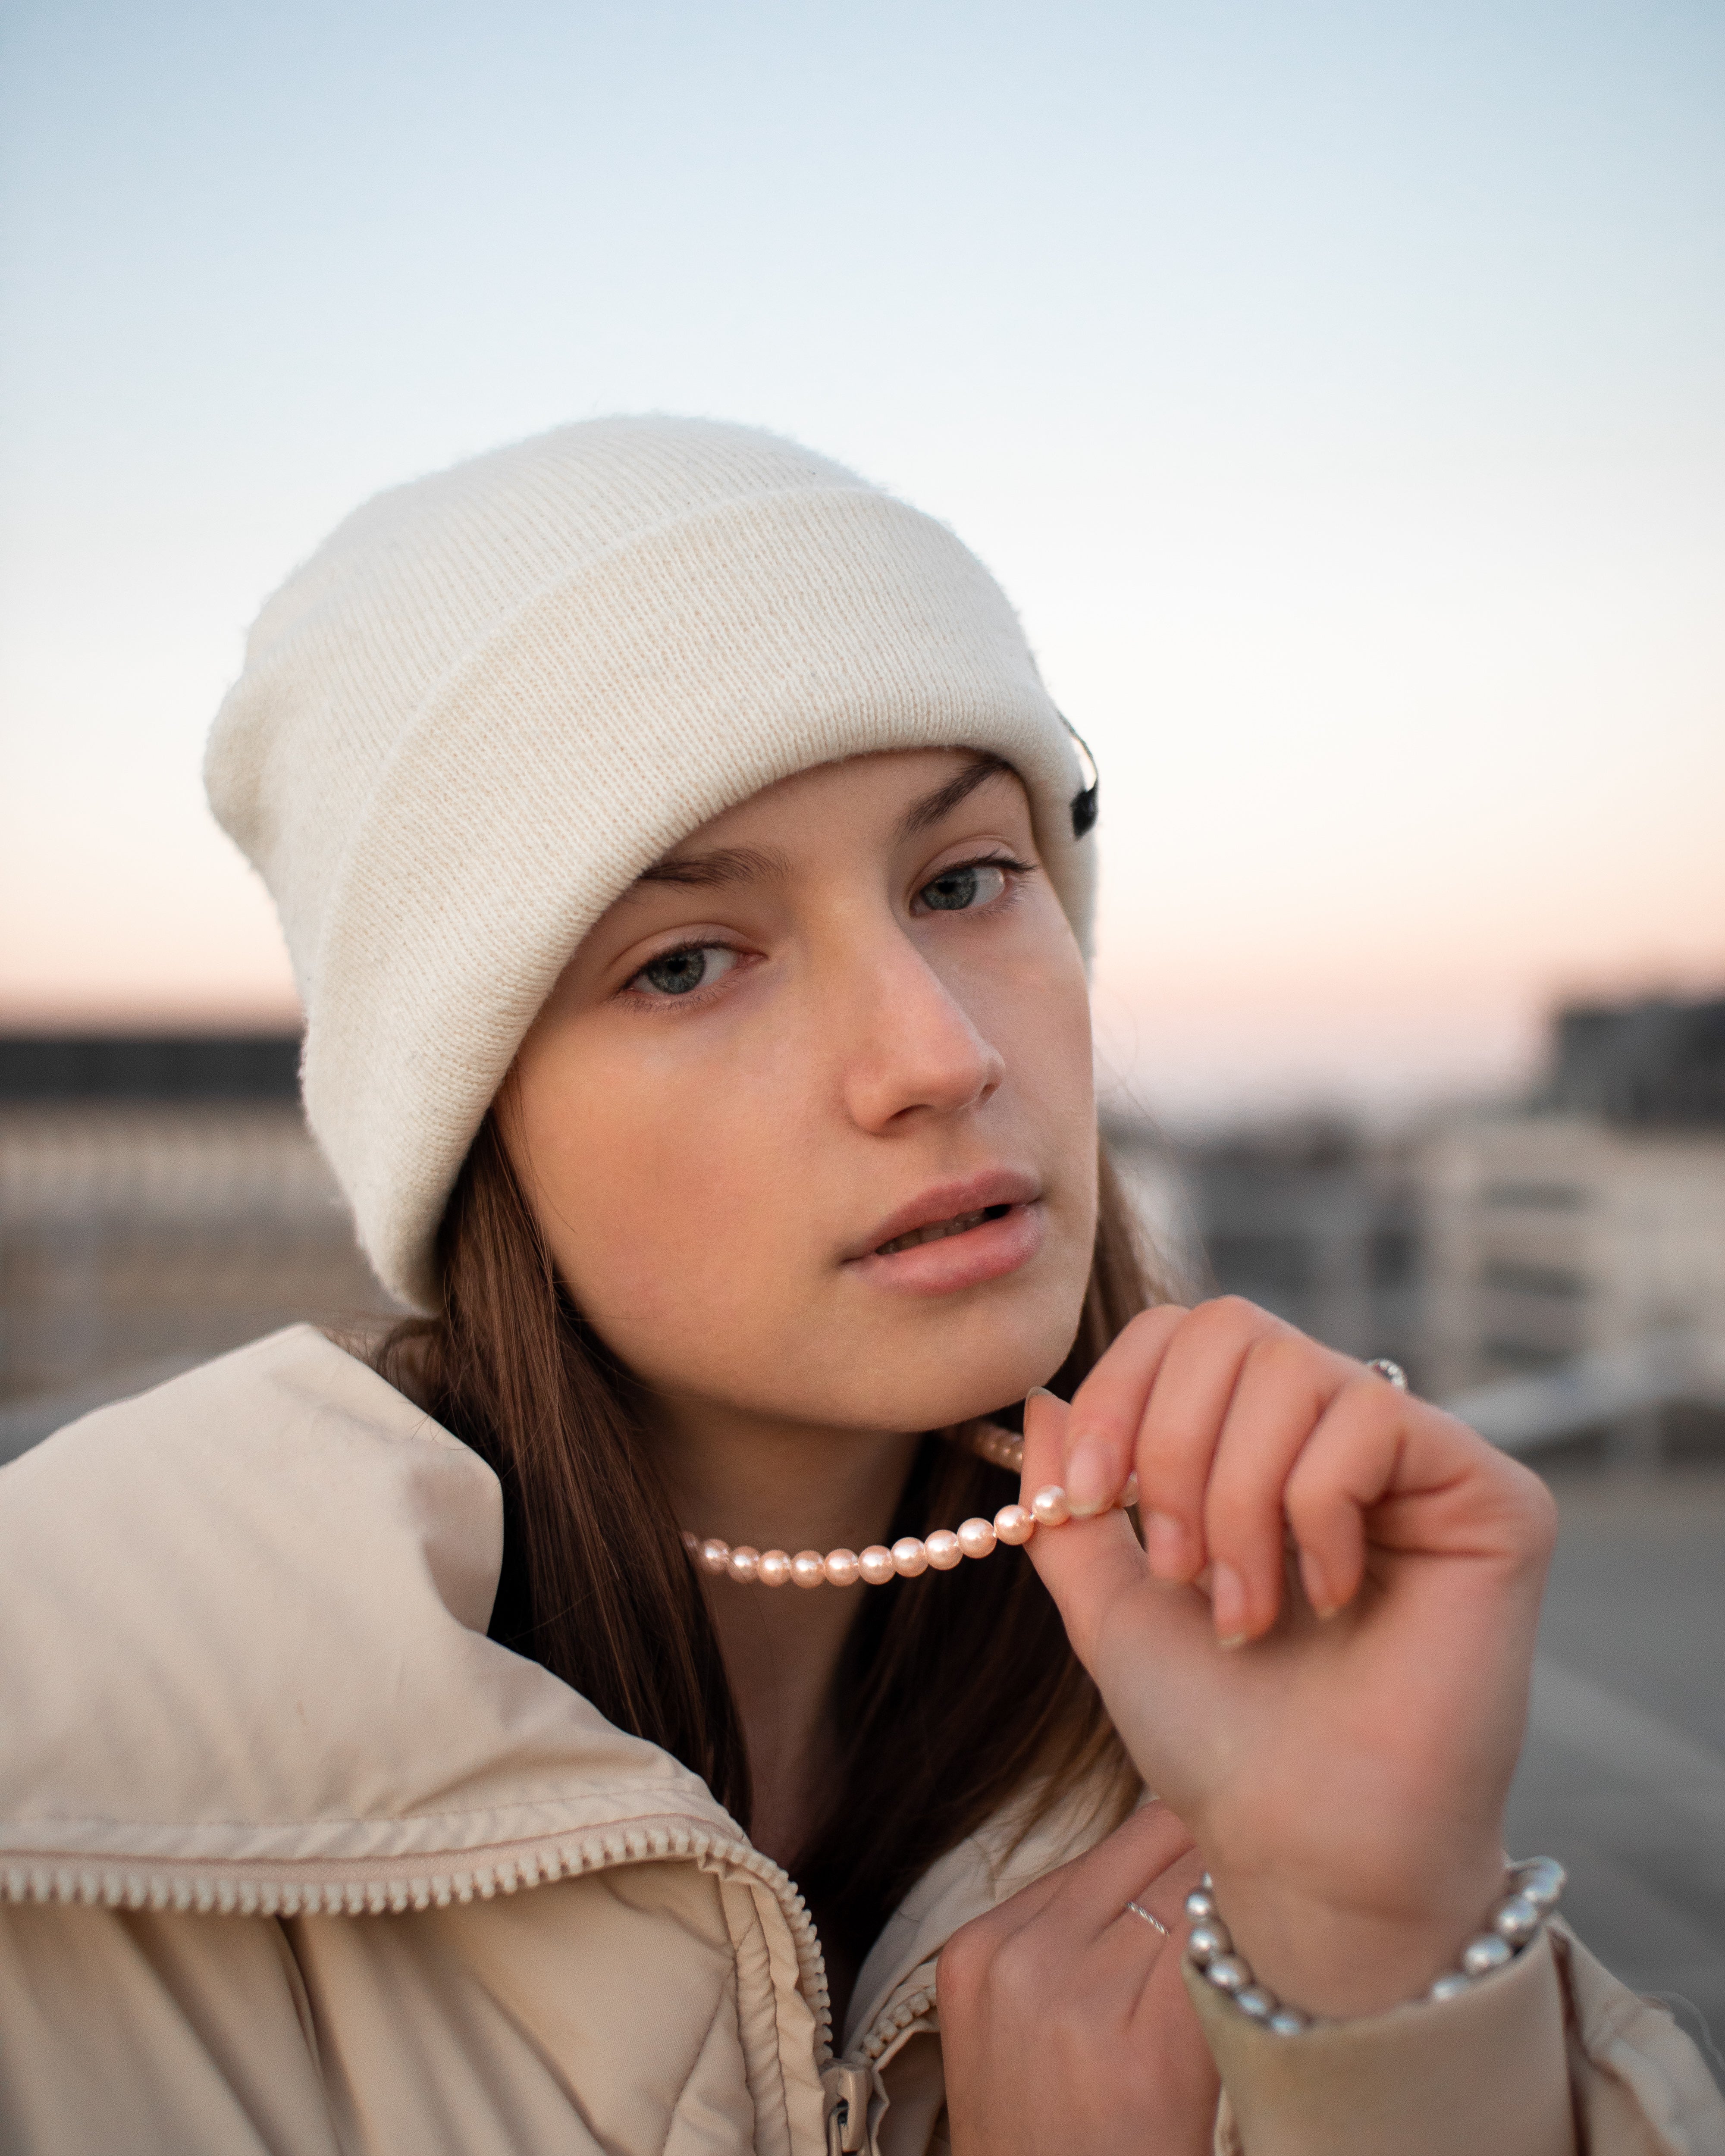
910, 1045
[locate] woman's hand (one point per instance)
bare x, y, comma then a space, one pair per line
1064, 2021
1320, 1657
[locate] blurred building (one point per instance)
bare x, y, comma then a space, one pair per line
1153, 1174
1592, 1221
1581, 1231
160, 1201
1313, 1218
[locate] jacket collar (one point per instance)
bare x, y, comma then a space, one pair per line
248, 1669
255, 1601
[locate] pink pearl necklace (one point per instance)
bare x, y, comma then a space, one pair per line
912, 1554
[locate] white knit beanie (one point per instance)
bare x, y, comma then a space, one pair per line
496, 695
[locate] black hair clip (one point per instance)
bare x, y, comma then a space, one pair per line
1084, 804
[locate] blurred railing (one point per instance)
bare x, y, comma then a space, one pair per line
160, 1202
1618, 1394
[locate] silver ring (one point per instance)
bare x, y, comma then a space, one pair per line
1155, 1923
1394, 1372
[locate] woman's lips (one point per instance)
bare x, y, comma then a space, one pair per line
963, 1250
938, 1230
942, 1204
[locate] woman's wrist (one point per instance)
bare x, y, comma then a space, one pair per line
1335, 1951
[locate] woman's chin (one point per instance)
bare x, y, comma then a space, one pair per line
935, 1384
862, 1360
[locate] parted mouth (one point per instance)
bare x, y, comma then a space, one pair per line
954, 1207
938, 1230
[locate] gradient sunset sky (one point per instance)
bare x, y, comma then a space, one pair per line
1339, 390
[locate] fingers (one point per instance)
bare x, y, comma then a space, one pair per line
1281, 1396
1163, 1399
1212, 1408
1237, 1406
1087, 1563
1081, 1901
1122, 1867
1405, 1476
1188, 1411
1158, 1906
1243, 1432
1108, 1408
1167, 1394
1064, 2022
1344, 1470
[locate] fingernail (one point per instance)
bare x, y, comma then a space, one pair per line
1165, 1546
1090, 1478
1318, 1593
1036, 1395
1228, 1605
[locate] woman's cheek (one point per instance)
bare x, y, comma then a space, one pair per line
658, 1238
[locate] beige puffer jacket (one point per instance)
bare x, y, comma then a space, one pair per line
294, 1860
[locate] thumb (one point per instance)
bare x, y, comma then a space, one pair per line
1084, 1564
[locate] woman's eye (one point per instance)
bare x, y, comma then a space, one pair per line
957, 890
681, 973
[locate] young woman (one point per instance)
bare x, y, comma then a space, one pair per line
631, 1707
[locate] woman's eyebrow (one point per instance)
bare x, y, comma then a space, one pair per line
922, 815
724, 864
728, 865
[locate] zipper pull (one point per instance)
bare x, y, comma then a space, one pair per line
848, 2090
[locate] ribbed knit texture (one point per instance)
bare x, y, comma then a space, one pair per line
493, 697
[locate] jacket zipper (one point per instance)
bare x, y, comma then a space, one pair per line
894, 2021
850, 2081
251, 1889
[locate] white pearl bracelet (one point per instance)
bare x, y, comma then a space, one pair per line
1515, 1923
911, 1554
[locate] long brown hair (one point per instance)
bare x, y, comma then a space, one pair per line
955, 1692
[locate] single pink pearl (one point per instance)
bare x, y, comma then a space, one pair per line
909, 1557
976, 1537
691, 1544
840, 1568
1014, 1524
875, 1564
744, 1563
942, 1549
1050, 1506
808, 1568
775, 1569
716, 1555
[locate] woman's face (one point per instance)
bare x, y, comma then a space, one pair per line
807, 1120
